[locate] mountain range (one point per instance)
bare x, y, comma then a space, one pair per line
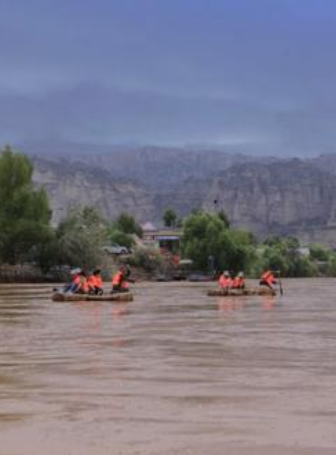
267, 195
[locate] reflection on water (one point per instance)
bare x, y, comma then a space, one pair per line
174, 372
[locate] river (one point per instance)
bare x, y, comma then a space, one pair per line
173, 373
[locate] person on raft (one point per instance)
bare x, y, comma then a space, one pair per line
225, 281
268, 279
74, 274
95, 283
79, 284
82, 284
121, 279
239, 281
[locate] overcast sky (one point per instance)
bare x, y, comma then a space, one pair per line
257, 76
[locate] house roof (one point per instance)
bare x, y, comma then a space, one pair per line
148, 226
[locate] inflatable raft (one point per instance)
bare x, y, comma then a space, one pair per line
241, 292
117, 297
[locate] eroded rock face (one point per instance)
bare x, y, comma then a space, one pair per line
279, 197
80, 184
287, 197
284, 197
159, 169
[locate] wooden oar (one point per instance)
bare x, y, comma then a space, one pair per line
280, 286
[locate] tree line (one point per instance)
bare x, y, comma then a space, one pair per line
26, 234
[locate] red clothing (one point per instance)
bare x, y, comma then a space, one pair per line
268, 278
238, 282
225, 281
95, 281
119, 280
82, 283
85, 285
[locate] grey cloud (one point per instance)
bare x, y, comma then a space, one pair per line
170, 72
101, 114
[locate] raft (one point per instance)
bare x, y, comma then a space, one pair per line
241, 292
117, 297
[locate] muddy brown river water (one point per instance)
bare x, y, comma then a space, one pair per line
174, 372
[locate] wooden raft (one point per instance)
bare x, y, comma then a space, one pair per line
117, 297
241, 292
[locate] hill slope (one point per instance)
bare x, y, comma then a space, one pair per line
264, 195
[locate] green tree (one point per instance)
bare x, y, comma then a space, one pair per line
206, 234
273, 240
282, 254
276, 259
292, 243
147, 258
81, 237
127, 224
24, 211
318, 252
122, 230
331, 270
223, 216
121, 238
170, 218
303, 267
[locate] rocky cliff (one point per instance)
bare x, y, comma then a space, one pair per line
282, 197
81, 184
267, 196
157, 168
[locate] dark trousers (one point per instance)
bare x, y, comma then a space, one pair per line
118, 288
96, 291
264, 283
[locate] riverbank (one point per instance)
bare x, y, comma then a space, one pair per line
22, 273
30, 274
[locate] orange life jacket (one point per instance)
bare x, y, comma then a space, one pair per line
99, 281
92, 281
268, 277
95, 281
266, 274
119, 280
225, 281
238, 282
82, 283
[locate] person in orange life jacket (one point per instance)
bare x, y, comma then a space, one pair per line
267, 279
225, 280
80, 284
239, 281
96, 283
69, 287
120, 279
74, 286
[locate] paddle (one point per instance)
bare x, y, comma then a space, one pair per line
280, 287
280, 284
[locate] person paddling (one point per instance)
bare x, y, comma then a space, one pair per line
95, 282
268, 279
120, 280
